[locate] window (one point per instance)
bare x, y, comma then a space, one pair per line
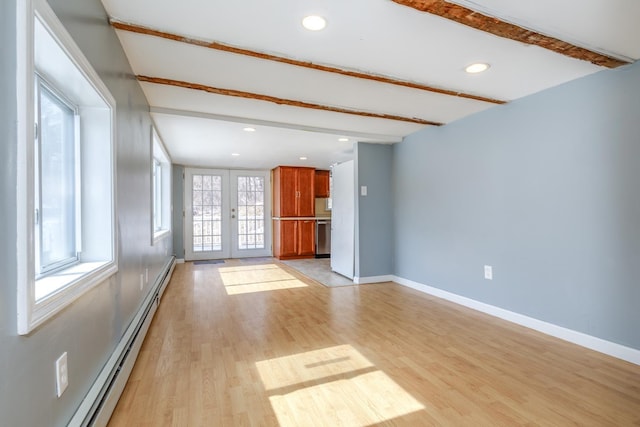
66, 163
157, 195
160, 189
55, 168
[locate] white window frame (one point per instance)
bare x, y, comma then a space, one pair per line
160, 162
73, 281
40, 85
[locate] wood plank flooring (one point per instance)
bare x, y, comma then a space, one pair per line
239, 344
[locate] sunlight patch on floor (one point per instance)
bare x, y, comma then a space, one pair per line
257, 278
335, 385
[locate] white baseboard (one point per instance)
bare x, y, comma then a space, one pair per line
180, 261
612, 349
373, 279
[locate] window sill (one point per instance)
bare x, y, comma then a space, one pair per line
161, 234
56, 291
52, 283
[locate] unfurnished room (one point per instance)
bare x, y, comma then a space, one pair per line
320, 213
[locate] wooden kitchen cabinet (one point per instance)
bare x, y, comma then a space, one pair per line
306, 238
293, 192
284, 242
321, 184
293, 197
294, 238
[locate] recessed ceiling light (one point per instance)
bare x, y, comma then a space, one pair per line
478, 67
303, 158
235, 154
249, 129
314, 22
343, 139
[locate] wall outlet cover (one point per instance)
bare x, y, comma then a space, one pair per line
488, 272
62, 374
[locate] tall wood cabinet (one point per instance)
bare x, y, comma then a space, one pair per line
293, 191
293, 197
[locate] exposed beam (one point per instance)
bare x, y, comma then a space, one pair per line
360, 136
500, 28
282, 101
326, 68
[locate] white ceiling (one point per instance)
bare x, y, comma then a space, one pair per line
376, 37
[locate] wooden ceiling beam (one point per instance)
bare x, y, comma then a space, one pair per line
282, 101
269, 57
504, 29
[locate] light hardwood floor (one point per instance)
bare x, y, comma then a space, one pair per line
238, 344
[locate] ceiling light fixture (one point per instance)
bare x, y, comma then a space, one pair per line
478, 67
303, 158
249, 129
235, 154
314, 22
343, 139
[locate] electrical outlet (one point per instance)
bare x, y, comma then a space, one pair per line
363, 190
141, 281
488, 272
62, 374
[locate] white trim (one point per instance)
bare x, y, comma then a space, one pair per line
607, 347
159, 153
161, 234
25, 132
30, 313
180, 261
50, 305
373, 279
68, 44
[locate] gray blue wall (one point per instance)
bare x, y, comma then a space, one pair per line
374, 212
90, 328
178, 206
547, 191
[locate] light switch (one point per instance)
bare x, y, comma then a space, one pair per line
363, 190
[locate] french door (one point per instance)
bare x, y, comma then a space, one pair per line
227, 214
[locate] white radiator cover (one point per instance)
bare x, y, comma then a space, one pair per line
99, 403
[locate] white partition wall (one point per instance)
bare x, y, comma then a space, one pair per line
343, 219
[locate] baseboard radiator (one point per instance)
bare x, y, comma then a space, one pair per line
100, 401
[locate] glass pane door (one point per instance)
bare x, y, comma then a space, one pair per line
206, 214
227, 214
251, 213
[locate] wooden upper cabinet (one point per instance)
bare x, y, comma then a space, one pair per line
285, 191
306, 199
293, 191
322, 183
